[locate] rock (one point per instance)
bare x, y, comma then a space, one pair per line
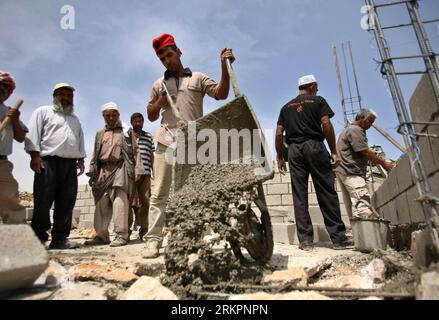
297, 276
22, 257
54, 276
375, 271
422, 248
99, 270
295, 295
147, 288
428, 288
111, 292
80, 291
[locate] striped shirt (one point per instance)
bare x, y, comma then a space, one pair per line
146, 147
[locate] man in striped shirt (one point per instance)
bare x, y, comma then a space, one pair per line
143, 182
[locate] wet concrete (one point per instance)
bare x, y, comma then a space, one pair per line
200, 207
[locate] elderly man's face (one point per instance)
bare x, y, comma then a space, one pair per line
64, 96
111, 117
367, 123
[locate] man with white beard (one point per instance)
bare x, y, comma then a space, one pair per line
56, 145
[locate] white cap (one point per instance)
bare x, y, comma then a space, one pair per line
110, 106
307, 80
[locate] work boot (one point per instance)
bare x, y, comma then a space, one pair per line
118, 241
346, 244
151, 250
96, 241
63, 245
306, 245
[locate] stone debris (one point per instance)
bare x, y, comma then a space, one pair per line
148, 288
80, 291
22, 257
428, 288
98, 270
375, 271
54, 276
295, 276
295, 295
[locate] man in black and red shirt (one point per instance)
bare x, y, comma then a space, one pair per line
305, 121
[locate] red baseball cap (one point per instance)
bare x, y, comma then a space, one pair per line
163, 41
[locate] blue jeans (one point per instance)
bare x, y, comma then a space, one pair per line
57, 182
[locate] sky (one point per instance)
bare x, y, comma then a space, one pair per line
108, 55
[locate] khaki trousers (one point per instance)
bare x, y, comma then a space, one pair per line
11, 212
113, 204
159, 194
356, 196
143, 190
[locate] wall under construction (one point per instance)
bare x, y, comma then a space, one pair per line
396, 198
277, 193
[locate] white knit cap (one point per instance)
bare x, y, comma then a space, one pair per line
307, 80
110, 106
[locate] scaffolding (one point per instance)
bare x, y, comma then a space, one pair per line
355, 101
428, 201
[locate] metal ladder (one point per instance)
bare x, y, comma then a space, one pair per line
426, 198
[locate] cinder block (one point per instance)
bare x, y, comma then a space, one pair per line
427, 155
434, 142
22, 257
287, 200
29, 214
287, 233
422, 249
404, 174
312, 199
273, 200
89, 202
311, 186
276, 179
390, 189
285, 178
403, 209
82, 188
415, 207
388, 211
80, 203
86, 224
428, 289
277, 189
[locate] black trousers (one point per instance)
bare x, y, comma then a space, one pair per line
57, 182
311, 157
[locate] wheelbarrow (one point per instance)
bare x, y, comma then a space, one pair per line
236, 115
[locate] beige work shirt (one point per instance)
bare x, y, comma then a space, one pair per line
192, 88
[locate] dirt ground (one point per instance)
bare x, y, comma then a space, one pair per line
105, 273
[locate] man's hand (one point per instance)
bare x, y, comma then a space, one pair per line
227, 53
282, 166
80, 166
388, 166
14, 114
36, 163
335, 160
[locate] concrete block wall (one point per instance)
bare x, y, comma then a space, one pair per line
396, 198
277, 194
279, 199
86, 205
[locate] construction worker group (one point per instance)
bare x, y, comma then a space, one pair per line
125, 160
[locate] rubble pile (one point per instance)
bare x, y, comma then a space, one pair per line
26, 199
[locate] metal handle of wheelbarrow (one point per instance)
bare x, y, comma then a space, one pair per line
171, 102
233, 78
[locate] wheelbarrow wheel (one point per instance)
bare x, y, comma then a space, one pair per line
258, 233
